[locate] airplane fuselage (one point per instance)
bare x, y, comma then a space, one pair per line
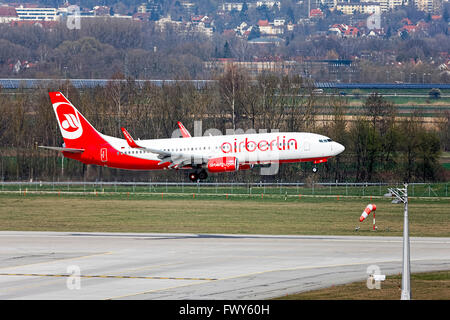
278, 147
223, 153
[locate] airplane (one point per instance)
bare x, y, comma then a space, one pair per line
199, 155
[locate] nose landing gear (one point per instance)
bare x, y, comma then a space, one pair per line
193, 176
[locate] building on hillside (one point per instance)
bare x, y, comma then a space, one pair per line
230, 6
269, 4
197, 26
358, 7
279, 22
101, 11
8, 14
344, 30
202, 24
165, 22
392, 4
329, 70
148, 7
429, 6
142, 16
188, 7
269, 28
254, 67
33, 13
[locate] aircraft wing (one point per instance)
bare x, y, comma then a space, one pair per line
176, 159
72, 150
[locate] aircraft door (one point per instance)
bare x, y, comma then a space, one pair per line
104, 154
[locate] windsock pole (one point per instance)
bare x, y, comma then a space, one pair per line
374, 223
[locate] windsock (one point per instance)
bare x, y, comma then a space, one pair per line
367, 211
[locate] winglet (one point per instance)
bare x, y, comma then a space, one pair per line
184, 131
129, 139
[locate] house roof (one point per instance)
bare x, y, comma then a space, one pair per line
263, 23
406, 21
408, 28
141, 16
351, 31
197, 18
315, 12
6, 11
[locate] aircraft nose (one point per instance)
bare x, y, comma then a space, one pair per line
339, 148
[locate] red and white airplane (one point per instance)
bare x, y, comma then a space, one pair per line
200, 155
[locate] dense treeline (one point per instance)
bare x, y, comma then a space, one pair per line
380, 146
101, 48
141, 50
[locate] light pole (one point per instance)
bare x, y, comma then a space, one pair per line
402, 195
67, 80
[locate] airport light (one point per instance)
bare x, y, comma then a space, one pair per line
402, 195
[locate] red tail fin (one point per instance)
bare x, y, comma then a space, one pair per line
75, 129
184, 131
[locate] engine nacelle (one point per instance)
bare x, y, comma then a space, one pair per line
223, 164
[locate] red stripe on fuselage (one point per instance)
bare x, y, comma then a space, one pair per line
116, 159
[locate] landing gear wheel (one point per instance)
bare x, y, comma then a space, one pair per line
193, 176
314, 169
202, 175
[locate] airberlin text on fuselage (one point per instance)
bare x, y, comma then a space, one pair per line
261, 145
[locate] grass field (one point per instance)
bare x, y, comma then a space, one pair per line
218, 214
424, 286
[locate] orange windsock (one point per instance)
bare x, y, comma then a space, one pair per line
367, 211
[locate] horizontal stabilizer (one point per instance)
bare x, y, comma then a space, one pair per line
72, 150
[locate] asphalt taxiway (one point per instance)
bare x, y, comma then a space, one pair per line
76, 265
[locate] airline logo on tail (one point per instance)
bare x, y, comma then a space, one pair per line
69, 121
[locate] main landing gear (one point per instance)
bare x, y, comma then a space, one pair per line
198, 175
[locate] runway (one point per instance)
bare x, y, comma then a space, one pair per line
72, 265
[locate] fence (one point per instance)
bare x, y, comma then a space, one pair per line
236, 188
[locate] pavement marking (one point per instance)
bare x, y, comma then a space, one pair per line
236, 276
148, 267
28, 286
103, 276
57, 260
267, 271
155, 290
